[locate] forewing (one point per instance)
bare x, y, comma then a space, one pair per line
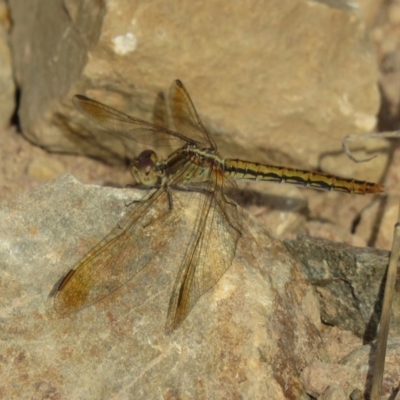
210, 252
125, 126
161, 118
160, 114
128, 248
185, 117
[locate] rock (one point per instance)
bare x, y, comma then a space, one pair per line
249, 336
7, 86
333, 392
349, 281
353, 375
286, 82
323, 378
43, 169
361, 359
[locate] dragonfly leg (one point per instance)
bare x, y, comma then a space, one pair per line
170, 200
230, 202
144, 198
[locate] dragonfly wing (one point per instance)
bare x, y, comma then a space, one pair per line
185, 117
125, 126
210, 252
160, 114
161, 118
128, 248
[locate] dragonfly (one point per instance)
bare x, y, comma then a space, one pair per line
194, 166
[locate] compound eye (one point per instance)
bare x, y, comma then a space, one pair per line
144, 168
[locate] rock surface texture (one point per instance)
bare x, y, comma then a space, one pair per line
249, 336
283, 84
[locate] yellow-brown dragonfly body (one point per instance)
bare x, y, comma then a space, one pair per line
195, 166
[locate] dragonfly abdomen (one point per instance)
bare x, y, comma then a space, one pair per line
239, 169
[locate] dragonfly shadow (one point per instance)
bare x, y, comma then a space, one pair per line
249, 197
95, 144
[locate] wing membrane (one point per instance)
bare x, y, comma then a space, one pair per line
125, 251
160, 113
125, 126
144, 231
185, 116
210, 252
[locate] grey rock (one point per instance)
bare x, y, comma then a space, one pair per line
349, 281
248, 337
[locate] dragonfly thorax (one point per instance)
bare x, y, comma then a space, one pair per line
205, 162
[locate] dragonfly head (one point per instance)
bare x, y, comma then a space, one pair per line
144, 168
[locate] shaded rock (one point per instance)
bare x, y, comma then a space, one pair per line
7, 86
349, 281
50, 45
249, 336
284, 83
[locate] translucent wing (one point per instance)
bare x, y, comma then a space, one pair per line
161, 118
210, 251
160, 113
189, 127
128, 248
185, 117
125, 126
